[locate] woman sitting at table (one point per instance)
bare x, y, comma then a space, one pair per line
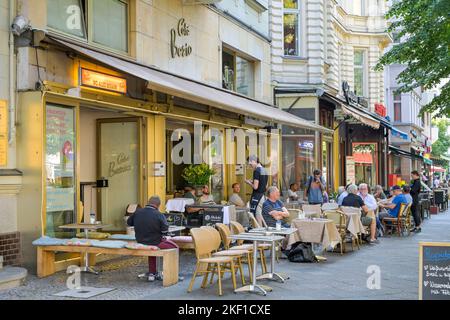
206, 198
379, 193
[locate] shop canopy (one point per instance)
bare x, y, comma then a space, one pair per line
363, 157
362, 117
199, 92
400, 134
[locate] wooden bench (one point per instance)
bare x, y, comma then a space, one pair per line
46, 259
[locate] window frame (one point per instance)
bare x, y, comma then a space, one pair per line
363, 67
235, 54
298, 13
88, 27
397, 103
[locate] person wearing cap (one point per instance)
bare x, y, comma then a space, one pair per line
394, 206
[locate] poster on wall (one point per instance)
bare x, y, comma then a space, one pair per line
350, 169
59, 159
3, 133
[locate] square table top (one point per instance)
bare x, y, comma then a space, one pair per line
283, 231
256, 237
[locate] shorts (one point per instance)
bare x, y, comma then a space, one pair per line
366, 221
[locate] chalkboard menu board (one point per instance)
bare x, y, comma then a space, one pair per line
434, 272
174, 219
211, 214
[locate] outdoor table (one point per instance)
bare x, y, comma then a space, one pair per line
86, 227
273, 231
178, 204
255, 238
321, 231
354, 224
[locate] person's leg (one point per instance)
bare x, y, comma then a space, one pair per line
164, 244
373, 230
152, 265
416, 215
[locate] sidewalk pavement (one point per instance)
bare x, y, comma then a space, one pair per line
340, 277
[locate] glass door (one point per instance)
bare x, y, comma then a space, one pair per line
119, 161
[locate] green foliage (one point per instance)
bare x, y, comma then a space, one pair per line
198, 175
426, 50
442, 144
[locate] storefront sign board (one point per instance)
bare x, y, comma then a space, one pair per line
434, 270
98, 80
350, 169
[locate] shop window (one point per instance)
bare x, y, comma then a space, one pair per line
291, 26
397, 107
359, 72
238, 74
298, 159
396, 165
365, 156
60, 182
104, 22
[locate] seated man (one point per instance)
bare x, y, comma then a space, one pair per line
235, 198
394, 206
292, 192
342, 194
273, 209
150, 227
189, 193
353, 200
206, 197
406, 193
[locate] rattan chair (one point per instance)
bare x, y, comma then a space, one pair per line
206, 263
225, 234
402, 223
312, 210
253, 222
339, 219
237, 254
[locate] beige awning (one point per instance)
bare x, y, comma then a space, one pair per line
199, 92
361, 117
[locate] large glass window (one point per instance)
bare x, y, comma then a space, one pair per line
291, 24
359, 72
298, 158
67, 16
238, 74
110, 23
104, 22
365, 156
60, 183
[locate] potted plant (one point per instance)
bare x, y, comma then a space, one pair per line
198, 175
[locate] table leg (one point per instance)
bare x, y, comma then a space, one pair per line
272, 275
254, 287
86, 268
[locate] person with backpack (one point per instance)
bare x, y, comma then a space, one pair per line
315, 188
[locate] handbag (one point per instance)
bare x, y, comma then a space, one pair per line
301, 252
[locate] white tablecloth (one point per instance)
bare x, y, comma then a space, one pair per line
178, 204
229, 211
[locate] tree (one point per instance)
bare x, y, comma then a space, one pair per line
425, 24
442, 144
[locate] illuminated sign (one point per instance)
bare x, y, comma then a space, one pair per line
103, 81
309, 145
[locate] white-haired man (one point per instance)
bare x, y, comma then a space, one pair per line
273, 209
353, 200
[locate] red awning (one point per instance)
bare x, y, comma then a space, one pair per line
437, 169
363, 157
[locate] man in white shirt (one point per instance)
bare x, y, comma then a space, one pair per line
235, 198
292, 192
342, 194
368, 199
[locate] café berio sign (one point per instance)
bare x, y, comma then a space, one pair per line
180, 32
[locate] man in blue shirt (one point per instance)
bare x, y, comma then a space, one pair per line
273, 209
394, 206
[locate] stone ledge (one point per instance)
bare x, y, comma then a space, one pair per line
11, 277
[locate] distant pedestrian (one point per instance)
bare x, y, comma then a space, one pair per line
416, 186
258, 184
315, 188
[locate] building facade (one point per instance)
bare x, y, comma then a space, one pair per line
317, 46
110, 90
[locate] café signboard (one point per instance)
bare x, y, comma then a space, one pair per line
180, 32
98, 80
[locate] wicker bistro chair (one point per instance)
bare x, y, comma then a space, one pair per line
253, 222
225, 234
340, 220
402, 223
216, 241
204, 246
312, 210
344, 209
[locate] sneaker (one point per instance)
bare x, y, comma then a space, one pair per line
375, 241
143, 275
151, 277
158, 276
418, 230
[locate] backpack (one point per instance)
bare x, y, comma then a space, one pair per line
301, 252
